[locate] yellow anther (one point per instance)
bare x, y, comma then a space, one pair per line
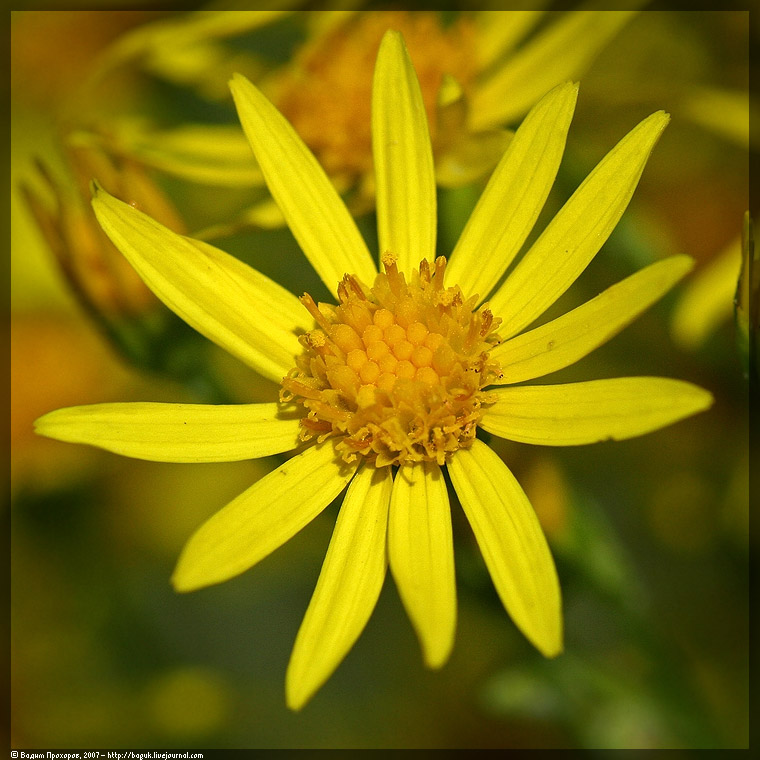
394, 334
406, 370
377, 350
416, 332
428, 376
422, 356
433, 340
399, 373
372, 334
369, 372
356, 359
383, 318
388, 363
346, 338
403, 349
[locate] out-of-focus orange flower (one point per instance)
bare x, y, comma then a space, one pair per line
97, 273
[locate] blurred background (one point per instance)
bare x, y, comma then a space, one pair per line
650, 535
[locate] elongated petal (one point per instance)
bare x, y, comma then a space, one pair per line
210, 154
514, 196
316, 215
577, 232
512, 543
708, 298
565, 340
473, 156
563, 51
499, 32
404, 174
597, 410
348, 587
262, 518
163, 38
176, 432
727, 112
238, 308
421, 555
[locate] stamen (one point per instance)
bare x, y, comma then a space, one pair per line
395, 373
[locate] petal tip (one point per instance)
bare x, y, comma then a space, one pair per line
662, 116
238, 79
688, 262
39, 425
297, 692
706, 400
435, 661
435, 654
180, 586
554, 651
182, 579
391, 45
45, 425
392, 34
550, 644
679, 265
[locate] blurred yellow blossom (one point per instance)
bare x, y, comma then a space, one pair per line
479, 74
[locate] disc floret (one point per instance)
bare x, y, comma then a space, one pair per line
395, 372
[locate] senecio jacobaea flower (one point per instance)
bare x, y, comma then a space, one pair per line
386, 388
478, 76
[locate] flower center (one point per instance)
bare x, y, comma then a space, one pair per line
327, 93
395, 372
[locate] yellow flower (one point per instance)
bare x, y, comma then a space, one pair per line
390, 385
479, 75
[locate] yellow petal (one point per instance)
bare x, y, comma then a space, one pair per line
212, 154
568, 338
421, 555
577, 232
597, 410
514, 196
499, 32
563, 51
471, 157
168, 35
404, 174
512, 543
348, 587
262, 518
238, 308
726, 112
316, 215
176, 432
708, 298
